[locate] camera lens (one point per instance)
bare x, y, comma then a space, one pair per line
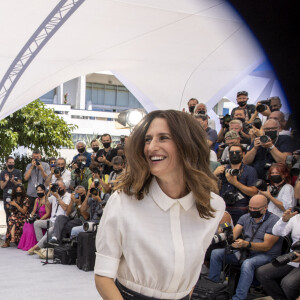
264, 139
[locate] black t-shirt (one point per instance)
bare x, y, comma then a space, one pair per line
10, 185
109, 156
284, 143
249, 110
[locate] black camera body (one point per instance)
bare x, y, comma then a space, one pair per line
54, 187
230, 198
94, 191
232, 172
264, 104
57, 171
225, 120
286, 258
226, 235
224, 162
294, 163
263, 186
264, 139
81, 166
37, 162
32, 219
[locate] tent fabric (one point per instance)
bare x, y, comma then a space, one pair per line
164, 51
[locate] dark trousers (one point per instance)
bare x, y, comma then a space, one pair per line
280, 283
7, 213
63, 226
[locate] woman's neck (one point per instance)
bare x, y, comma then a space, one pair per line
175, 189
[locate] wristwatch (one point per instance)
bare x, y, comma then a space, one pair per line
79, 206
271, 148
249, 246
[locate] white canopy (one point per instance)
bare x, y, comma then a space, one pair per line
164, 51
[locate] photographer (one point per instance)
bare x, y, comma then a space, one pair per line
17, 207
242, 99
41, 211
231, 138
257, 247
59, 200
76, 215
36, 173
100, 180
59, 172
191, 105
118, 165
106, 154
237, 183
9, 178
92, 205
81, 148
201, 109
80, 173
280, 193
268, 149
211, 134
238, 126
283, 282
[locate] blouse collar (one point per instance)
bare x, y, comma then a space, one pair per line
165, 202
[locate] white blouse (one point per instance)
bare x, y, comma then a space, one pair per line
286, 196
155, 246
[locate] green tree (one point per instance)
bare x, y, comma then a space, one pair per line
35, 127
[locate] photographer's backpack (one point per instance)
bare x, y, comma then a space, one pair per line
86, 251
210, 290
65, 254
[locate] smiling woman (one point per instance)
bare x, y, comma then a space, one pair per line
155, 247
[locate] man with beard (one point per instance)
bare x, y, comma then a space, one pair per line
237, 183
242, 98
269, 148
106, 154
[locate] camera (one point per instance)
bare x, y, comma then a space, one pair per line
57, 171
267, 166
90, 226
231, 198
264, 104
225, 120
264, 139
293, 163
81, 166
96, 182
224, 161
257, 123
37, 162
263, 186
8, 197
122, 140
232, 172
32, 219
94, 191
226, 235
54, 187
286, 258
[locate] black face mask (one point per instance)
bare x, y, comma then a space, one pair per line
201, 112
106, 145
235, 158
19, 194
272, 134
95, 149
61, 192
241, 119
192, 108
118, 171
274, 109
81, 150
10, 166
242, 103
276, 178
255, 214
40, 195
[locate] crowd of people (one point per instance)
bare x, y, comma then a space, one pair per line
252, 164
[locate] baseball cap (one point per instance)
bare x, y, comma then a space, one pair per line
242, 93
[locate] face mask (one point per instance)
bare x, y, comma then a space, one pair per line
235, 158
276, 178
118, 171
255, 214
19, 194
201, 112
242, 103
41, 195
10, 167
191, 109
81, 150
52, 165
274, 109
241, 119
95, 149
61, 192
272, 134
106, 145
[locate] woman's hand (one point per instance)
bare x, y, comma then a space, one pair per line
266, 193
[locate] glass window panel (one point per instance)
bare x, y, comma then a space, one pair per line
110, 97
122, 98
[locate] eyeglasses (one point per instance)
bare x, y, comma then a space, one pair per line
255, 208
237, 152
270, 129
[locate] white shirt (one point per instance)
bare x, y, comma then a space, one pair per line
56, 208
155, 246
213, 156
286, 196
65, 176
284, 228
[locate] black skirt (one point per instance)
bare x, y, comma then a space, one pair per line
128, 294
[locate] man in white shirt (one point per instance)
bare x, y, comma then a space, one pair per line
59, 200
59, 172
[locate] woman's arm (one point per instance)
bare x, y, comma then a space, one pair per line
48, 211
107, 288
35, 205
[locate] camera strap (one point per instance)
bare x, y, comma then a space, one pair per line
253, 235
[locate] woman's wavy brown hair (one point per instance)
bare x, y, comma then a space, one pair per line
190, 140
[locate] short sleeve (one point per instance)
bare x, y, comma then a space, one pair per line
271, 223
287, 196
108, 240
2, 178
47, 169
